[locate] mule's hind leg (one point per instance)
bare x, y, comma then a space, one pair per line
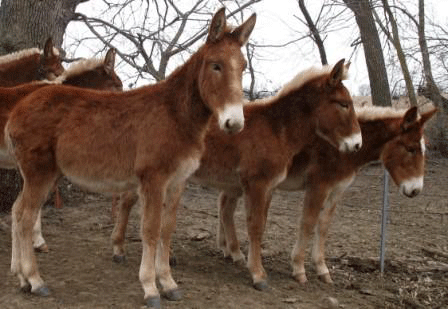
39, 243
321, 231
226, 236
24, 215
16, 267
313, 203
163, 269
126, 202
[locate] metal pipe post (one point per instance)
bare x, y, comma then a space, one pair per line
384, 214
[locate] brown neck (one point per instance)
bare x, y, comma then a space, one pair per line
19, 71
289, 117
184, 100
90, 79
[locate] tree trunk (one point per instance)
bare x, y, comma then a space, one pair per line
431, 91
373, 52
25, 23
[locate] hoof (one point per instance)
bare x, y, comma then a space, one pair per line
42, 249
42, 291
25, 289
153, 302
241, 262
119, 259
325, 278
173, 295
173, 261
261, 286
300, 278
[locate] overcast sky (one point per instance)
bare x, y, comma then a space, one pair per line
277, 24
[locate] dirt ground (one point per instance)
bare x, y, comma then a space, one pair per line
80, 272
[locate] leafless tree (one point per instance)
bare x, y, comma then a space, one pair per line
151, 36
432, 91
394, 37
330, 18
315, 33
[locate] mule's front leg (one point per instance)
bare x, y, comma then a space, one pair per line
163, 269
321, 232
152, 195
126, 201
314, 201
257, 203
226, 237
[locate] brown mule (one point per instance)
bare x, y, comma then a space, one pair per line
86, 73
150, 139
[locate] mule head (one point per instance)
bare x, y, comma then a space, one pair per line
404, 155
335, 115
50, 66
220, 76
107, 78
93, 73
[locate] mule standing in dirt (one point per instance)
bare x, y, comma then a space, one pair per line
150, 139
87, 73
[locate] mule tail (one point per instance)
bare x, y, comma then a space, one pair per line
10, 143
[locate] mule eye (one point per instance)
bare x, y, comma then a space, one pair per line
216, 67
343, 104
412, 151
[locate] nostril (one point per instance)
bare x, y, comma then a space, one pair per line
414, 192
357, 147
228, 125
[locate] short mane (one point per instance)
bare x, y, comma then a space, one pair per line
305, 76
19, 55
369, 113
77, 68
24, 53
299, 80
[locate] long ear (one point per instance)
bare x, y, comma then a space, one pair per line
347, 66
48, 49
243, 32
109, 60
427, 115
217, 26
409, 118
338, 73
